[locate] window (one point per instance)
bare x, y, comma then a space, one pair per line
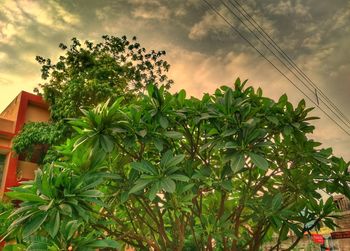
2, 165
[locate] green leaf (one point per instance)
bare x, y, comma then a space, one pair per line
54, 226
20, 220
71, 228
287, 130
66, 209
259, 92
296, 229
181, 96
46, 207
228, 99
320, 158
164, 122
91, 193
158, 143
139, 185
144, 167
174, 160
173, 134
231, 145
283, 99
284, 232
273, 119
38, 246
150, 89
237, 162
34, 224
276, 202
82, 213
14, 247
228, 132
20, 210
227, 185
311, 118
104, 244
179, 177
168, 185
124, 197
166, 158
24, 196
106, 143
259, 161
152, 193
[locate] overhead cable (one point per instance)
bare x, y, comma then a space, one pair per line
272, 64
311, 89
290, 61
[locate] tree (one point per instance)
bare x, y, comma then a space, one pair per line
87, 74
166, 172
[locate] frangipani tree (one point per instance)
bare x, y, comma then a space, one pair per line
166, 172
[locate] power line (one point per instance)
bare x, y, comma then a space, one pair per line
268, 60
287, 58
279, 59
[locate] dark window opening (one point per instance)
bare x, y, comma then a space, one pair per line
2, 165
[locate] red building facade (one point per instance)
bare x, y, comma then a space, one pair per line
26, 107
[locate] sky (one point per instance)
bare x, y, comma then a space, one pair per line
203, 51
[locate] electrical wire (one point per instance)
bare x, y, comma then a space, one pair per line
272, 64
280, 60
286, 57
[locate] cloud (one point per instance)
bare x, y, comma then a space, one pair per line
210, 23
312, 41
287, 7
27, 28
156, 12
341, 18
20, 14
199, 73
160, 10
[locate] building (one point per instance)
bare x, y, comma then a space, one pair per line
26, 107
341, 236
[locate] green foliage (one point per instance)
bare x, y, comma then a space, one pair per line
85, 75
57, 208
166, 172
5, 208
34, 134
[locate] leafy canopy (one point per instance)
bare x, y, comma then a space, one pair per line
85, 75
225, 172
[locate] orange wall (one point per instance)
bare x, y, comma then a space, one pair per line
5, 142
25, 170
36, 114
6, 125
